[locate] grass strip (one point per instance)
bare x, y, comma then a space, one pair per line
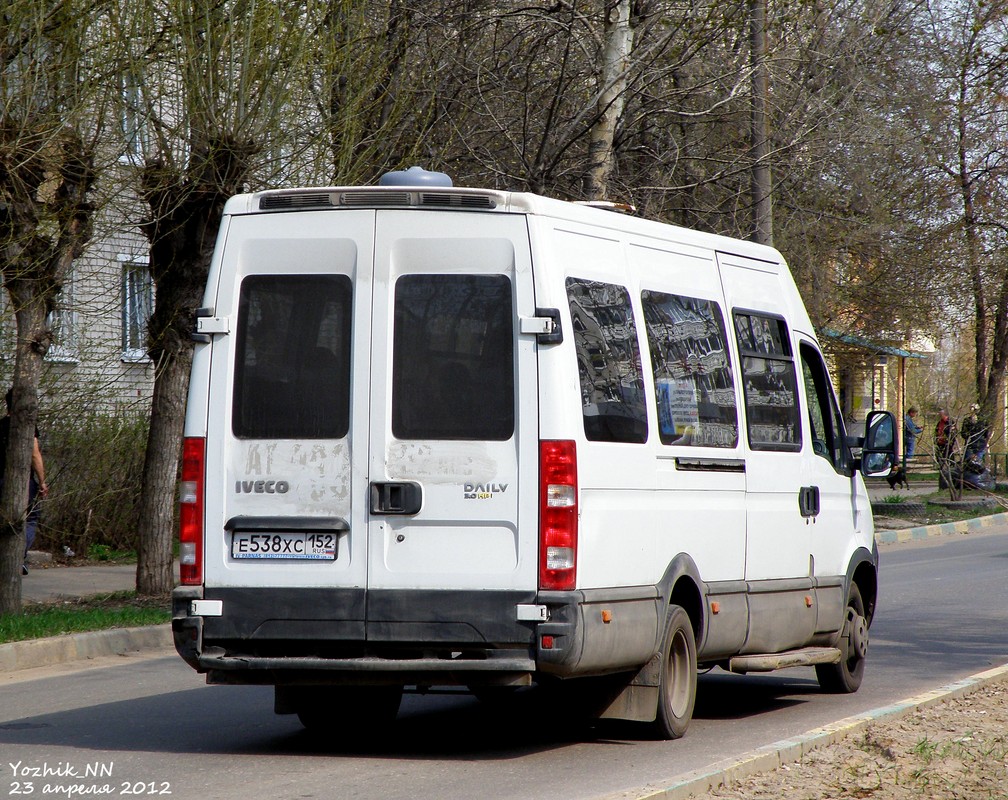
114, 610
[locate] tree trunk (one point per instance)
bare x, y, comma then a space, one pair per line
973, 265
155, 574
41, 233
617, 46
761, 188
14, 496
186, 212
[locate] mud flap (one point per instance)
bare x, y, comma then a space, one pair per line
638, 699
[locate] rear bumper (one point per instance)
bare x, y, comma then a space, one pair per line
344, 635
290, 636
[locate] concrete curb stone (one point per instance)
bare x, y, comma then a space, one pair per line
944, 529
32, 653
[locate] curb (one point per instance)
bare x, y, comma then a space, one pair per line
944, 529
788, 751
32, 653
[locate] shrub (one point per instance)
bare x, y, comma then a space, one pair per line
94, 466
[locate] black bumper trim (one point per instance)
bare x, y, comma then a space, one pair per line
503, 663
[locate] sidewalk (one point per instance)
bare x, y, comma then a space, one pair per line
890, 528
45, 584
879, 489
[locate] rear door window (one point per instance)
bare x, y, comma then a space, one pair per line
453, 358
293, 357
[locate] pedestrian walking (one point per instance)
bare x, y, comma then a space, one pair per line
911, 430
38, 489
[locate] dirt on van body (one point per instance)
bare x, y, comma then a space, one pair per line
956, 749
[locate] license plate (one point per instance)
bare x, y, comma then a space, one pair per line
306, 546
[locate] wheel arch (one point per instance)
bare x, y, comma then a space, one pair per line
681, 585
863, 571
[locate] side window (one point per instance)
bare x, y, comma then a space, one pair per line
824, 417
694, 388
292, 369
609, 363
453, 358
768, 380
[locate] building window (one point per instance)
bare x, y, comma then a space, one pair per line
62, 324
134, 119
137, 305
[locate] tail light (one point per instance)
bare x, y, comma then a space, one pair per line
558, 515
191, 512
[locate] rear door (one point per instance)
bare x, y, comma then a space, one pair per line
453, 410
287, 452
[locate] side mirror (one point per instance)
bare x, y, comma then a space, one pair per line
878, 453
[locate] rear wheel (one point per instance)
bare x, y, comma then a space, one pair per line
495, 697
678, 676
350, 710
845, 676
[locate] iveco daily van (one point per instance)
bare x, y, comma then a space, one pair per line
441, 436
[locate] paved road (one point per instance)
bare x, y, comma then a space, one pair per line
943, 615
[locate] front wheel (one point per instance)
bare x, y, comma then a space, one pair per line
677, 680
845, 676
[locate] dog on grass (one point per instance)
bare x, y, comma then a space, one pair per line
897, 477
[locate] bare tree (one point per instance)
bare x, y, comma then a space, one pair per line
46, 172
368, 105
847, 164
761, 191
967, 129
613, 77
216, 78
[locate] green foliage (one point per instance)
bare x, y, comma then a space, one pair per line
926, 749
94, 464
102, 552
117, 610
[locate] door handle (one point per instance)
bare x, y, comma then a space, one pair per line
396, 497
808, 501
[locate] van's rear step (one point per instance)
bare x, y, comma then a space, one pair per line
805, 657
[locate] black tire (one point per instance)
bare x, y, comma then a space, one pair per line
495, 697
845, 676
677, 680
350, 711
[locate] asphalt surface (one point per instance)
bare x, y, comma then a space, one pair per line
48, 583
